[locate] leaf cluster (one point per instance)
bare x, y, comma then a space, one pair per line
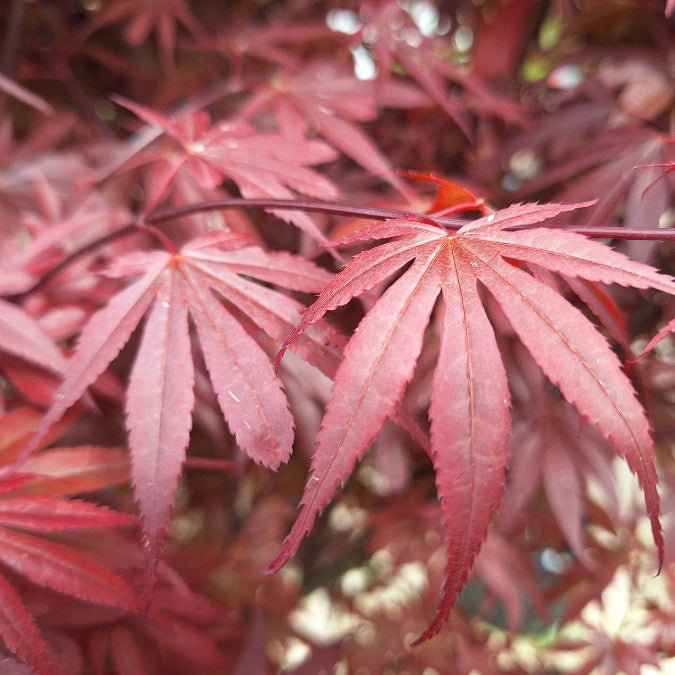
419, 252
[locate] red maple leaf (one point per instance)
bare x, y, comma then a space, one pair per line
562, 456
29, 510
555, 454
262, 165
621, 167
146, 16
394, 36
21, 336
160, 395
509, 577
469, 406
330, 99
181, 630
268, 42
59, 471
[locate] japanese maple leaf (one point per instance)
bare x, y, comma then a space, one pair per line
509, 576
262, 165
145, 16
394, 37
57, 224
622, 166
51, 564
330, 99
160, 395
629, 192
268, 42
469, 405
181, 628
552, 452
58, 471
27, 163
560, 455
53, 230
29, 510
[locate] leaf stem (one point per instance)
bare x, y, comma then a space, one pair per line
124, 231
159, 236
279, 204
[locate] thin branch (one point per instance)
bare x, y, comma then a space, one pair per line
125, 231
207, 463
281, 204
64, 74
657, 234
148, 133
146, 226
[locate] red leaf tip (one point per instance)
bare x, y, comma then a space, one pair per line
432, 630
278, 562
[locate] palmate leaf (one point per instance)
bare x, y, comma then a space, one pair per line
64, 569
160, 396
24, 548
469, 408
142, 18
331, 100
391, 33
181, 630
52, 565
554, 452
262, 165
59, 471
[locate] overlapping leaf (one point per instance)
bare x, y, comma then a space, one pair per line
552, 450
24, 520
469, 409
143, 18
181, 628
21, 335
392, 33
330, 100
262, 165
160, 396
